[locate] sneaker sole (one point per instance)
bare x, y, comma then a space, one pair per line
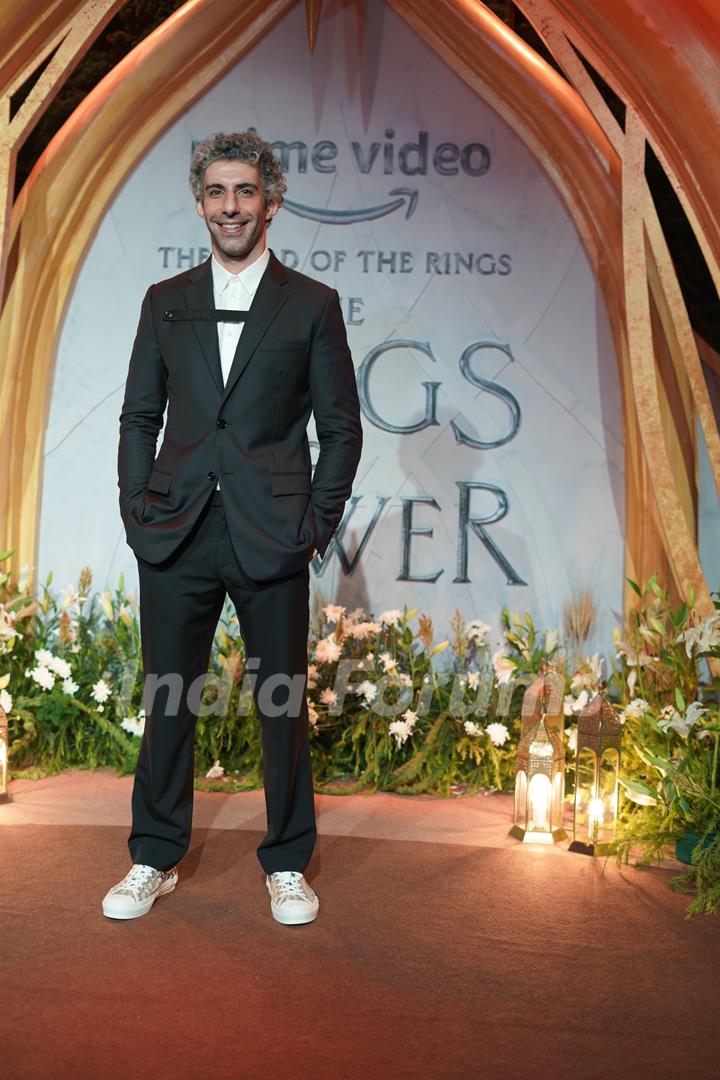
138, 909
293, 918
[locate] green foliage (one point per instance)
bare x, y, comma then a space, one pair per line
671, 739
703, 879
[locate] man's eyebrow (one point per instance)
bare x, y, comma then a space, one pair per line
240, 183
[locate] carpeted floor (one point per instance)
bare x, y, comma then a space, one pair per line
427, 960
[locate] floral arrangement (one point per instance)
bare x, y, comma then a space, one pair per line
381, 712
671, 744
389, 706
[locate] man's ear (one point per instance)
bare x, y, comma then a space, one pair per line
200, 210
271, 209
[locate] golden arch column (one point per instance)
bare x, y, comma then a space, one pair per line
35, 32
663, 62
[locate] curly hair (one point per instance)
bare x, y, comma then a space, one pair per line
238, 146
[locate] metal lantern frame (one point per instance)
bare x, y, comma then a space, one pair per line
595, 801
540, 763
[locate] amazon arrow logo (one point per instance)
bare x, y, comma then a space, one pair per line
408, 197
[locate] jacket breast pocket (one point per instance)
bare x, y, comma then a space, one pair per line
159, 481
290, 483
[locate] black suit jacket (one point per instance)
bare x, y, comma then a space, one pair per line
292, 357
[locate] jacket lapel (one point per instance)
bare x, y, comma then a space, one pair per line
270, 296
199, 294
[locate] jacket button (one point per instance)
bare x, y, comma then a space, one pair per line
212, 476
222, 423
169, 314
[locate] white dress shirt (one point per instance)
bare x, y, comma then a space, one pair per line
235, 291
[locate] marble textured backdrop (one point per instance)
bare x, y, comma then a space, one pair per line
562, 470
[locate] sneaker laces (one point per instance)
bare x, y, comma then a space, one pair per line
139, 881
289, 885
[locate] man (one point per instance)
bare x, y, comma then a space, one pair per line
229, 506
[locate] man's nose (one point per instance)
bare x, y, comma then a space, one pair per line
230, 204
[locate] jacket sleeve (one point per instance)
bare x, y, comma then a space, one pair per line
336, 407
143, 407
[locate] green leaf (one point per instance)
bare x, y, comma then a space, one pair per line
679, 699
661, 764
634, 586
639, 793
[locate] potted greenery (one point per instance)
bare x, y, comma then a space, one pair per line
672, 748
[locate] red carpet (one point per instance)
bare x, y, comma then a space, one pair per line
427, 960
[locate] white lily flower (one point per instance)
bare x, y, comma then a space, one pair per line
71, 598
503, 667
706, 635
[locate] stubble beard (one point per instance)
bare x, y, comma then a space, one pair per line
239, 247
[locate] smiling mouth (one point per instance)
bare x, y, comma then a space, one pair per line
231, 227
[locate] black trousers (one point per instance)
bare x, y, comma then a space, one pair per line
181, 600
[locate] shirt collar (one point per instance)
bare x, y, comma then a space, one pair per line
249, 277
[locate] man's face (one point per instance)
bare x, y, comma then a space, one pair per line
233, 208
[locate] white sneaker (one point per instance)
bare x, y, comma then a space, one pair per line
138, 891
292, 901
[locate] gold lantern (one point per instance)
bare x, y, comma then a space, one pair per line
597, 768
540, 763
4, 796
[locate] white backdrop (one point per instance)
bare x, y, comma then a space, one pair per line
466, 245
